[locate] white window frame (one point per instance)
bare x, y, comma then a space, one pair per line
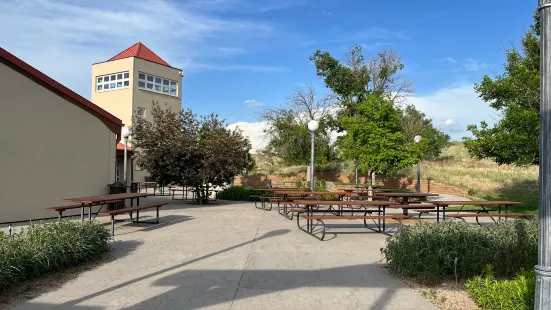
157, 83
144, 112
119, 78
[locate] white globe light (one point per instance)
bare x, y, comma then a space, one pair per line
417, 139
125, 132
313, 125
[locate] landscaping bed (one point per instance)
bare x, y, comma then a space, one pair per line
492, 263
42, 248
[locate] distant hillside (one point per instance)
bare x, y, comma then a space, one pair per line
482, 178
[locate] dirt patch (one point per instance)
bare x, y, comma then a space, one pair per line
33, 288
448, 295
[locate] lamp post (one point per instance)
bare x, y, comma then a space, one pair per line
543, 269
417, 139
247, 169
313, 125
126, 132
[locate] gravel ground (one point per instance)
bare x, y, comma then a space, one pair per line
446, 296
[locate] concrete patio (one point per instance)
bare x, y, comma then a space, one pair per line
234, 256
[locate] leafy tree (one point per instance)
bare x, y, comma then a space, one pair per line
288, 131
515, 94
180, 147
414, 123
355, 78
375, 139
365, 88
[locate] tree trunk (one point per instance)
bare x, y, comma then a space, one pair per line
369, 180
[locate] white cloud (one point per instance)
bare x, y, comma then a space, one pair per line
235, 67
64, 38
255, 132
452, 60
253, 103
453, 108
473, 65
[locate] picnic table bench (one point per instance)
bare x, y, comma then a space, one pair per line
481, 212
114, 213
338, 214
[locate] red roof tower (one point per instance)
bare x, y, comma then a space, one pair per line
139, 50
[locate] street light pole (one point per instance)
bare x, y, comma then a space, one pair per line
247, 169
125, 133
543, 269
417, 139
312, 126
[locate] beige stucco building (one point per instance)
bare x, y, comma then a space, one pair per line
54, 143
130, 82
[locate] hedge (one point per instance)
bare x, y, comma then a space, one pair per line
432, 252
240, 193
41, 248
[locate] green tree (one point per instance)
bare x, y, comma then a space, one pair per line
414, 122
374, 138
367, 91
354, 79
182, 148
288, 131
515, 94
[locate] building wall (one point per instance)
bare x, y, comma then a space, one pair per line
144, 98
50, 148
124, 102
117, 102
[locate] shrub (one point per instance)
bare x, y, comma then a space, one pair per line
41, 248
431, 252
515, 294
240, 193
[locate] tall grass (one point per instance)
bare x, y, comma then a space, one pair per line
431, 252
481, 178
42, 248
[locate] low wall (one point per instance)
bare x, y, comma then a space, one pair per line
257, 180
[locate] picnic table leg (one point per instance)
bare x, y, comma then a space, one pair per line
437, 213
82, 213
405, 201
60, 213
384, 221
443, 213
112, 225
379, 219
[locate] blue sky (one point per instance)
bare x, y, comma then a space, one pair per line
241, 55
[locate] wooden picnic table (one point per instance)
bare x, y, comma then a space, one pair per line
482, 204
88, 202
406, 196
302, 194
380, 206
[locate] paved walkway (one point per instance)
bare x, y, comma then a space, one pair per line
234, 256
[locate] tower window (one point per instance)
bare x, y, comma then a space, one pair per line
140, 112
112, 81
157, 84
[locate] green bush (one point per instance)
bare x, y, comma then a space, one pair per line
240, 193
41, 248
515, 294
432, 252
